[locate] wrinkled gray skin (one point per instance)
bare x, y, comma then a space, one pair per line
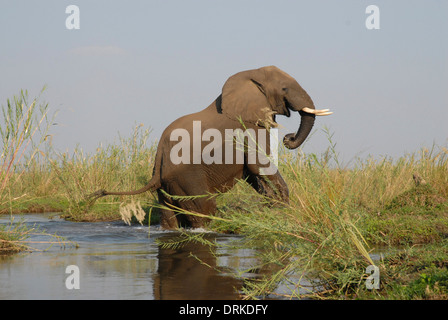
253, 96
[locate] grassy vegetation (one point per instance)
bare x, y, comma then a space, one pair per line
339, 219
23, 130
12, 237
60, 182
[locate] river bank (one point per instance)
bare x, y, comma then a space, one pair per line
337, 217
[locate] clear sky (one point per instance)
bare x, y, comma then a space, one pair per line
151, 62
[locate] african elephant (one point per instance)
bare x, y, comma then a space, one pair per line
250, 101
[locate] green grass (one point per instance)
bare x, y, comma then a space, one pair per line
337, 216
417, 215
60, 182
23, 130
13, 237
417, 272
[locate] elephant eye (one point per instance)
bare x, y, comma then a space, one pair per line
285, 89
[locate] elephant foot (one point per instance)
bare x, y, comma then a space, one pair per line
168, 220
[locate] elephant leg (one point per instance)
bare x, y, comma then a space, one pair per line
203, 206
272, 186
168, 219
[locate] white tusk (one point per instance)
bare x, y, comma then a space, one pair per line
323, 112
308, 110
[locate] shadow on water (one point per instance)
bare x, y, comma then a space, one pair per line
117, 261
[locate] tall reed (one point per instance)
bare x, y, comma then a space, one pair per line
123, 165
23, 129
323, 235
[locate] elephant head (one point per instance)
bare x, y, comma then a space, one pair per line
258, 95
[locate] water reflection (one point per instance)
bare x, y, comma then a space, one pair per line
181, 276
117, 261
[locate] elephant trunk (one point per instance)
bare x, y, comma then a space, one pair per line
293, 141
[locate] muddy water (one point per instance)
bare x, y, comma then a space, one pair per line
117, 261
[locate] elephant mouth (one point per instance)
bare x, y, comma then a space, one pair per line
286, 107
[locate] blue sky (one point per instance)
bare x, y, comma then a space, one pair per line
151, 62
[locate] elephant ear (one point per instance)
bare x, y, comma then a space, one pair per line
244, 96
